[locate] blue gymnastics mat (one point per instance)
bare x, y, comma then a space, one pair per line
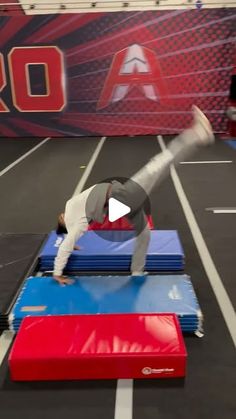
231, 143
110, 294
113, 252
18, 257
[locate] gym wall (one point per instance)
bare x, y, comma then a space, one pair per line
114, 73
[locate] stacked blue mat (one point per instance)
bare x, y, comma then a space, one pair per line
113, 252
110, 294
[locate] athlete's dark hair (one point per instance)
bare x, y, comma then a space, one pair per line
61, 229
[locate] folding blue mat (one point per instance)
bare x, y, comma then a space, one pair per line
113, 252
18, 256
110, 294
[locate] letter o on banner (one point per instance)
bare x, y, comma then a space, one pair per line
51, 58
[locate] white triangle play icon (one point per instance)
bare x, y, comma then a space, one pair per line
116, 210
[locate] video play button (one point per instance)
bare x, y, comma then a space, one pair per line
117, 209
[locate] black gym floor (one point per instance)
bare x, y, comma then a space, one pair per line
35, 190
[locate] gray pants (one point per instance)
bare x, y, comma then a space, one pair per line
148, 178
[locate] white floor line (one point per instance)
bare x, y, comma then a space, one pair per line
5, 343
207, 261
207, 162
222, 210
4, 171
124, 399
124, 390
89, 167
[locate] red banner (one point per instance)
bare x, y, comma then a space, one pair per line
118, 73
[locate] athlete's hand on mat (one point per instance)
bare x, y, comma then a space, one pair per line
63, 280
76, 247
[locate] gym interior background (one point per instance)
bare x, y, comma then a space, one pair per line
92, 90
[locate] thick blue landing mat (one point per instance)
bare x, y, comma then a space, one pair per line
113, 251
110, 294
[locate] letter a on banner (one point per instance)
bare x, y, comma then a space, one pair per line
133, 66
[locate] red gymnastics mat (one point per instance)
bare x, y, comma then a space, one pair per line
120, 224
98, 347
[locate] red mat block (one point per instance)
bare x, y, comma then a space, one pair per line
120, 224
98, 346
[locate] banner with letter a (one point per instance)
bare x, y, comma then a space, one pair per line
123, 73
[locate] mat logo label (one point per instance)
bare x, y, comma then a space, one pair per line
58, 241
149, 370
21, 64
174, 293
135, 66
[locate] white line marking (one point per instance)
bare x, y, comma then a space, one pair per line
207, 162
124, 390
23, 157
124, 399
224, 211
207, 261
89, 167
5, 343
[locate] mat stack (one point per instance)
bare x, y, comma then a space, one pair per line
112, 251
17, 255
105, 326
110, 295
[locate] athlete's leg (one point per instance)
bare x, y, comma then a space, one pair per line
138, 220
181, 147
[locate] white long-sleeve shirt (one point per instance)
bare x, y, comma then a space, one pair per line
76, 224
